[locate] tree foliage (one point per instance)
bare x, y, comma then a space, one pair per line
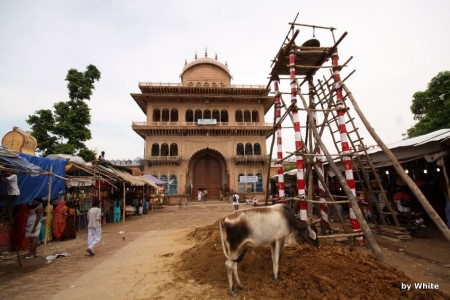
432, 107
66, 129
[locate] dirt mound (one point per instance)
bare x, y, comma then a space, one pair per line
332, 272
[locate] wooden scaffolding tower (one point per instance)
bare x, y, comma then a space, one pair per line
326, 105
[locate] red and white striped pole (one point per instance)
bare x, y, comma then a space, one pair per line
298, 140
348, 165
279, 140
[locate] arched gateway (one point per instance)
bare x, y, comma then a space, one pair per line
207, 171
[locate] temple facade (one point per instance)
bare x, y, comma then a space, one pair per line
205, 133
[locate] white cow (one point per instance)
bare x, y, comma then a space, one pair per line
257, 227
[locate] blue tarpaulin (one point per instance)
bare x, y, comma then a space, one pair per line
32, 186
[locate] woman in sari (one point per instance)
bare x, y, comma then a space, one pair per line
20, 222
59, 220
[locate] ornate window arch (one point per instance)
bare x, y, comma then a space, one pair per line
239, 117
174, 115
198, 115
189, 115
224, 116
155, 149
239, 149
156, 115
164, 150
173, 149
207, 114
165, 117
248, 149
216, 115
255, 116
247, 116
257, 149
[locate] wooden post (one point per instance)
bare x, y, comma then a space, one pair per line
123, 205
49, 194
401, 172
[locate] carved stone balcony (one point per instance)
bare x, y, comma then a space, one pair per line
163, 160
250, 159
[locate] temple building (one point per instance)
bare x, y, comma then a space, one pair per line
205, 133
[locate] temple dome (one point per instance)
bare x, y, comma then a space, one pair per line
205, 71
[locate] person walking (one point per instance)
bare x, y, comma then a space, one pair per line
33, 227
236, 201
94, 226
117, 211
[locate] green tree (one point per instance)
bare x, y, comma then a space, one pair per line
66, 129
432, 106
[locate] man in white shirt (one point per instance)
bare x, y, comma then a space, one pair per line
12, 190
94, 226
236, 201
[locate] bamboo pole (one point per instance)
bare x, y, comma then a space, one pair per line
124, 204
400, 171
49, 194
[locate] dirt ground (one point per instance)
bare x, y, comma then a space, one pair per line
175, 253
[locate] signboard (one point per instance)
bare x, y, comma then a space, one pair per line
207, 122
247, 179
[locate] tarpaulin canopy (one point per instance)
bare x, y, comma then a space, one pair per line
155, 180
148, 181
37, 186
133, 180
12, 160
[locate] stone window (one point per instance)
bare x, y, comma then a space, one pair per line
173, 149
165, 115
255, 117
156, 115
247, 116
257, 149
164, 185
240, 149
174, 115
164, 149
259, 183
189, 115
216, 115
238, 116
198, 115
248, 149
172, 188
241, 185
224, 116
155, 150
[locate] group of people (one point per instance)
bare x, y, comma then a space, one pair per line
202, 195
38, 221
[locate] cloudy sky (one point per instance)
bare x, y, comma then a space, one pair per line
397, 47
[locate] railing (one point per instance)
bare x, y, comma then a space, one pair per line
165, 123
242, 86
